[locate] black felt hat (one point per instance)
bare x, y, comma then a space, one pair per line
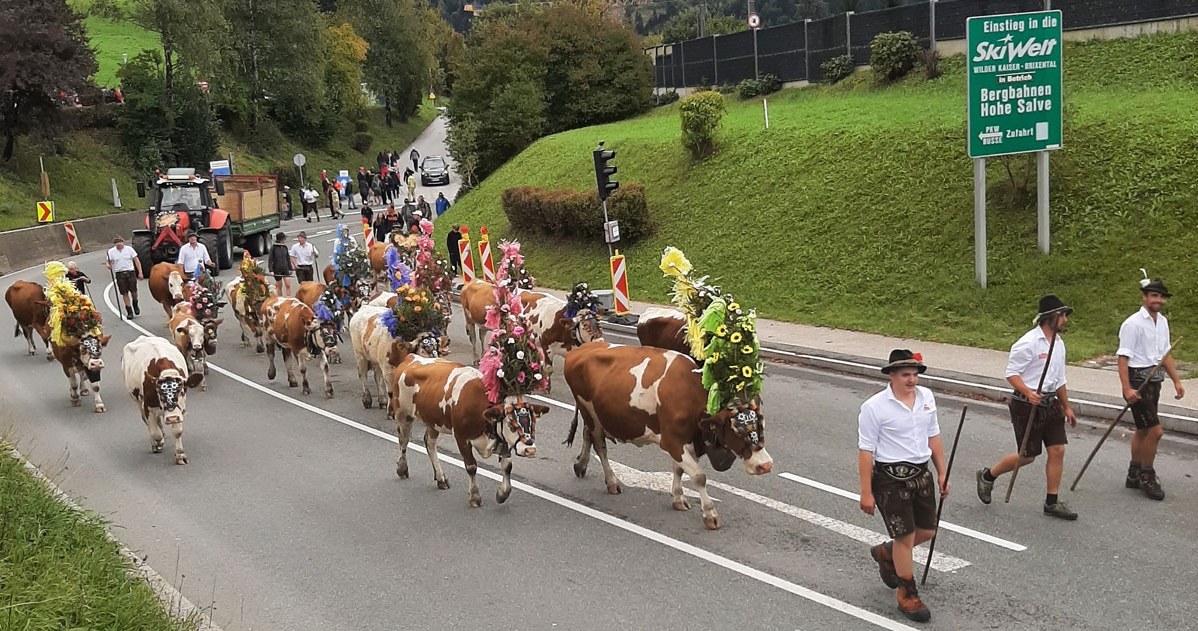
1052, 304
1156, 285
903, 358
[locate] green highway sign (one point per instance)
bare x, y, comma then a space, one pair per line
1014, 83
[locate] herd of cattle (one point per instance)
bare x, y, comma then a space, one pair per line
639, 394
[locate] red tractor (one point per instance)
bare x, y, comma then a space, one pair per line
181, 202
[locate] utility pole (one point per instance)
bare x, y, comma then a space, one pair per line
703, 19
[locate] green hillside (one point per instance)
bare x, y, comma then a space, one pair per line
855, 209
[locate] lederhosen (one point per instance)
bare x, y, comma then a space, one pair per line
1048, 426
905, 496
1144, 411
126, 281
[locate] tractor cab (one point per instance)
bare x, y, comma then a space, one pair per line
180, 202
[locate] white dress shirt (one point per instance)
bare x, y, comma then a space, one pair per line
304, 254
190, 257
1142, 340
122, 259
894, 433
1027, 358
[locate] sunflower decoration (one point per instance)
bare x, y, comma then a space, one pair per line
72, 314
723, 336
253, 281
414, 313
511, 266
580, 299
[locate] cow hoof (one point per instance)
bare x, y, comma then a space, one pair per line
100, 409
270, 374
292, 383
49, 357
328, 393
32, 353
682, 505
614, 488
401, 470
713, 522
180, 458
580, 469
259, 349
367, 401
307, 390
75, 402
205, 369
155, 449
501, 496
442, 484
476, 502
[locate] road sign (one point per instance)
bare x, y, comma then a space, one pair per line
299, 160
1014, 83
73, 238
220, 167
754, 20
45, 212
611, 231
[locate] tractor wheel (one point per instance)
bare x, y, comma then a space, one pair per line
224, 249
256, 244
141, 243
211, 242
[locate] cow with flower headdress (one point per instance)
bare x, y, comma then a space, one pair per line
328, 308
689, 409
203, 304
246, 295
76, 335
348, 276
398, 246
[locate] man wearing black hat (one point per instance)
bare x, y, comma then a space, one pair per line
1027, 363
897, 433
1144, 342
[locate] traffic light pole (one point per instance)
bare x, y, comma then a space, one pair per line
609, 250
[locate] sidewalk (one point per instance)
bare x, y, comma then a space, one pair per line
1095, 392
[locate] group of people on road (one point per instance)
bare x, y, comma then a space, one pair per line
126, 268
384, 186
899, 432
300, 258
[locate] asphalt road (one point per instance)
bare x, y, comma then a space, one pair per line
289, 514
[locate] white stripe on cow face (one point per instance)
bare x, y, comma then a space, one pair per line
645, 397
174, 283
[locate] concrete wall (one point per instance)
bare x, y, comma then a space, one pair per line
32, 246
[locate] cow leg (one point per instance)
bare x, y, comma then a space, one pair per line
74, 387
382, 387
180, 455
202, 360
466, 449
473, 333
301, 358
270, 358
680, 502
154, 423
28, 332
505, 487
403, 427
363, 367
690, 465
430, 445
98, 402
324, 371
599, 442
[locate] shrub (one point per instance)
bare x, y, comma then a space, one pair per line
287, 174
748, 89
362, 141
768, 84
725, 88
361, 126
931, 64
574, 214
701, 114
838, 69
893, 55
665, 98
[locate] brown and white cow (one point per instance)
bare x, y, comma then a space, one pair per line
647, 395
475, 297
188, 335
662, 327
293, 328
82, 359
360, 289
372, 344
449, 397
157, 379
309, 292
168, 286
249, 316
556, 333
31, 310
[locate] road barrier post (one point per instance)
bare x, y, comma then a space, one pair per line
484, 255
468, 274
619, 284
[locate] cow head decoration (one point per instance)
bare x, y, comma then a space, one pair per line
737, 432
210, 328
584, 327
429, 344
171, 388
516, 426
91, 348
321, 339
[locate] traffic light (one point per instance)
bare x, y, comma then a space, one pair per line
603, 172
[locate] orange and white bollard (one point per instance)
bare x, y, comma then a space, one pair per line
367, 233
73, 238
619, 285
468, 274
484, 255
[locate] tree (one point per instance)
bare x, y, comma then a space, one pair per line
43, 52
194, 137
347, 51
811, 10
462, 142
187, 29
398, 61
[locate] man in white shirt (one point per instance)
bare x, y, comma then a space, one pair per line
1143, 343
898, 431
303, 258
126, 268
1026, 364
193, 254
310, 197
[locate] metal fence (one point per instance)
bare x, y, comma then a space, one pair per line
796, 51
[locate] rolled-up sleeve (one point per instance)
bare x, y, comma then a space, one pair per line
867, 430
1127, 339
1021, 355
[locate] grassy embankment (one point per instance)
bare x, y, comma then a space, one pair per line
855, 209
60, 570
80, 178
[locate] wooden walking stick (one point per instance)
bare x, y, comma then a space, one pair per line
1031, 418
947, 472
1151, 374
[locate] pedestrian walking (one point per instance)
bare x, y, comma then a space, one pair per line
349, 194
382, 225
367, 214
451, 244
280, 265
194, 254
1143, 343
442, 204
898, 432
411, 186
423, 207
287, 202
1038, 357
126, 269
310, 197
303, 258
415, 157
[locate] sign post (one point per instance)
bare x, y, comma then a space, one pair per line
755, 23
1014, 91
300, 160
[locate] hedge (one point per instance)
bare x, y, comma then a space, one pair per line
574, 214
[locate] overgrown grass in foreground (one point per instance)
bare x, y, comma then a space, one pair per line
855, 209
58, 570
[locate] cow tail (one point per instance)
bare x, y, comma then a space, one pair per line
569, 442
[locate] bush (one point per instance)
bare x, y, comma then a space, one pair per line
893, 55
287, 174
931, 64
574, 214
361, 126
665, 98
701, 114
768, 84
748, 89
362, 141
838, 69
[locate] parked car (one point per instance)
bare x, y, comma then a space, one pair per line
434, 170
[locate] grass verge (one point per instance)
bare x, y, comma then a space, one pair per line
58, 568
855, 209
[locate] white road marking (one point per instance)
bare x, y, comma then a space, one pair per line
662, 481
968, 532
641, 531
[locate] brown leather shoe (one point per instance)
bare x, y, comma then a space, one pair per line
909, 603
883, 554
